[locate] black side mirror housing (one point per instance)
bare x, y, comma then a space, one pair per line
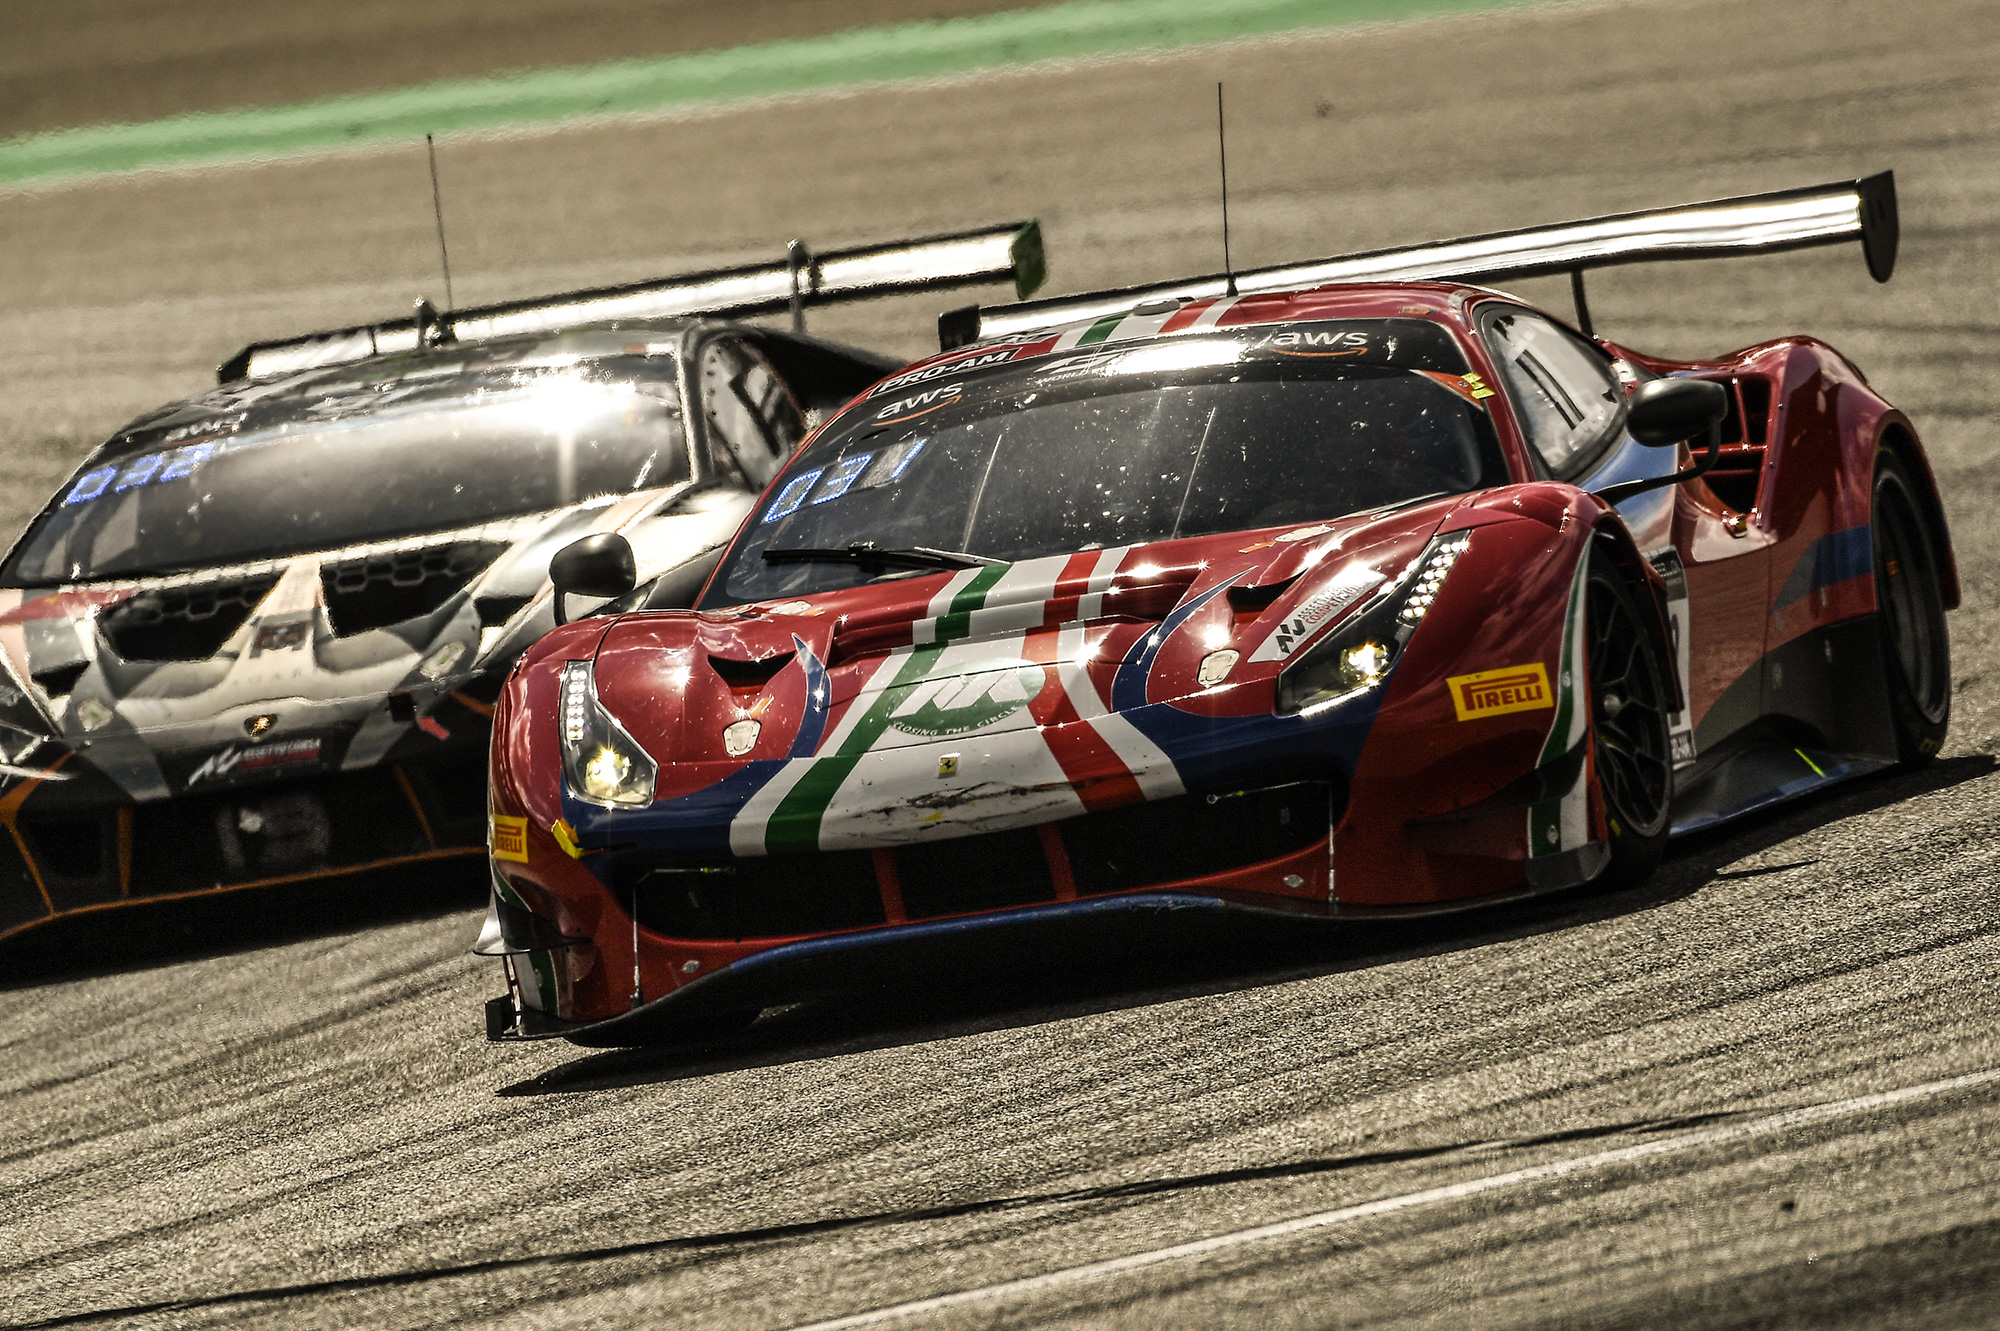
601, 564
1664, 412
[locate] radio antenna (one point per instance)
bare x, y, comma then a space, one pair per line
1222, 144
437, 208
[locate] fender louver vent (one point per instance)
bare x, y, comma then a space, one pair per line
183, 623
375, 591
1745, 432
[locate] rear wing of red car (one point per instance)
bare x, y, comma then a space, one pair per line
1009, 253
1863, 210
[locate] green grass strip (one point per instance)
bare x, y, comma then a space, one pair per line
927, 50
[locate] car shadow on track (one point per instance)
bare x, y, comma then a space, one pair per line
1251, 954
140, 934
723, 1242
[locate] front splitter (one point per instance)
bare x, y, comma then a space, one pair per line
1003, 943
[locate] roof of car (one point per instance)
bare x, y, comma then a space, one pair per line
272, 396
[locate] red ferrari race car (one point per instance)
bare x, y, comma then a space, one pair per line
1337, 590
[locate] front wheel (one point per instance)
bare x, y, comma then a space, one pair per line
1910, 610
1629, 702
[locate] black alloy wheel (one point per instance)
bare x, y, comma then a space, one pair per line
1910, 611
1628, 720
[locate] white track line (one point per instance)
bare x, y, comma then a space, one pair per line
1072, 1275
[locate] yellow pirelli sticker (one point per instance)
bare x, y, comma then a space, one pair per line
1523, 688
510, 838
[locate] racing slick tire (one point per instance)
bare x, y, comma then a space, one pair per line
1915, 646
1629, 726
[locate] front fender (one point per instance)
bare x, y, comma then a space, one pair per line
1442, 743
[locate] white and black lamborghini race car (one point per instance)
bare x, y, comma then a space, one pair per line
255, 638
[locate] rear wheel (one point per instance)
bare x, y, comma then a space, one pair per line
1628, 719
1911, 614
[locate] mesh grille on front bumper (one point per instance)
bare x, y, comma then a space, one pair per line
1122, 850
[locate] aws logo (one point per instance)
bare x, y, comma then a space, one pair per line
970, 699
1522, 688
920, 403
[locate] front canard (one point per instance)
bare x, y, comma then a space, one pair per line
1523, 688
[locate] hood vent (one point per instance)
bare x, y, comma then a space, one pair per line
189, 623
378, 590
749, 677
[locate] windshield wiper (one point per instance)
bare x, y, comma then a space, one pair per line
866, 553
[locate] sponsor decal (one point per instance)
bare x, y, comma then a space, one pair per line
281, 637
1303, 342
239, 759
1680, 726
256, 727
1522, 688
961, 702
947, 766
1317, 611
925, 373
919, 404
1468, 386
565, 838
510, 838
1305, 533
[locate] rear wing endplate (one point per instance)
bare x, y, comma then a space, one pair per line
1863, 210
1010, 253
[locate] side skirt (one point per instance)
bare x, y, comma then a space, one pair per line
1821, 718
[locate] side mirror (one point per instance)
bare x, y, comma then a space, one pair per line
600, 564
1663, 412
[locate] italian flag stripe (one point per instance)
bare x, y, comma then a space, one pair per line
795, 823
1101, 330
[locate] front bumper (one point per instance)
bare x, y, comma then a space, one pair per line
962, 948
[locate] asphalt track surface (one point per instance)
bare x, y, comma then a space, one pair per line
1760, 1090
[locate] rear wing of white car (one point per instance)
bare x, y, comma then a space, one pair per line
1009, 253
1863, 210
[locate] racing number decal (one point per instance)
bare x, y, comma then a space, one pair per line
1680, 726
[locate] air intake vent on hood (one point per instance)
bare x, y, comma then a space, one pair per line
189, 623
377, 590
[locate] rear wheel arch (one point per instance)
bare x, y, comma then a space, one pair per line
1910, 596
1897, 439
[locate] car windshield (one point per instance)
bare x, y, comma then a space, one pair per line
1179, 436
373, 462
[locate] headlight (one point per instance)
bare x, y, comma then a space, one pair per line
601, 762
1358, 654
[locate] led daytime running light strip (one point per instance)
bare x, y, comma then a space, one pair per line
1425, 589
576, 699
